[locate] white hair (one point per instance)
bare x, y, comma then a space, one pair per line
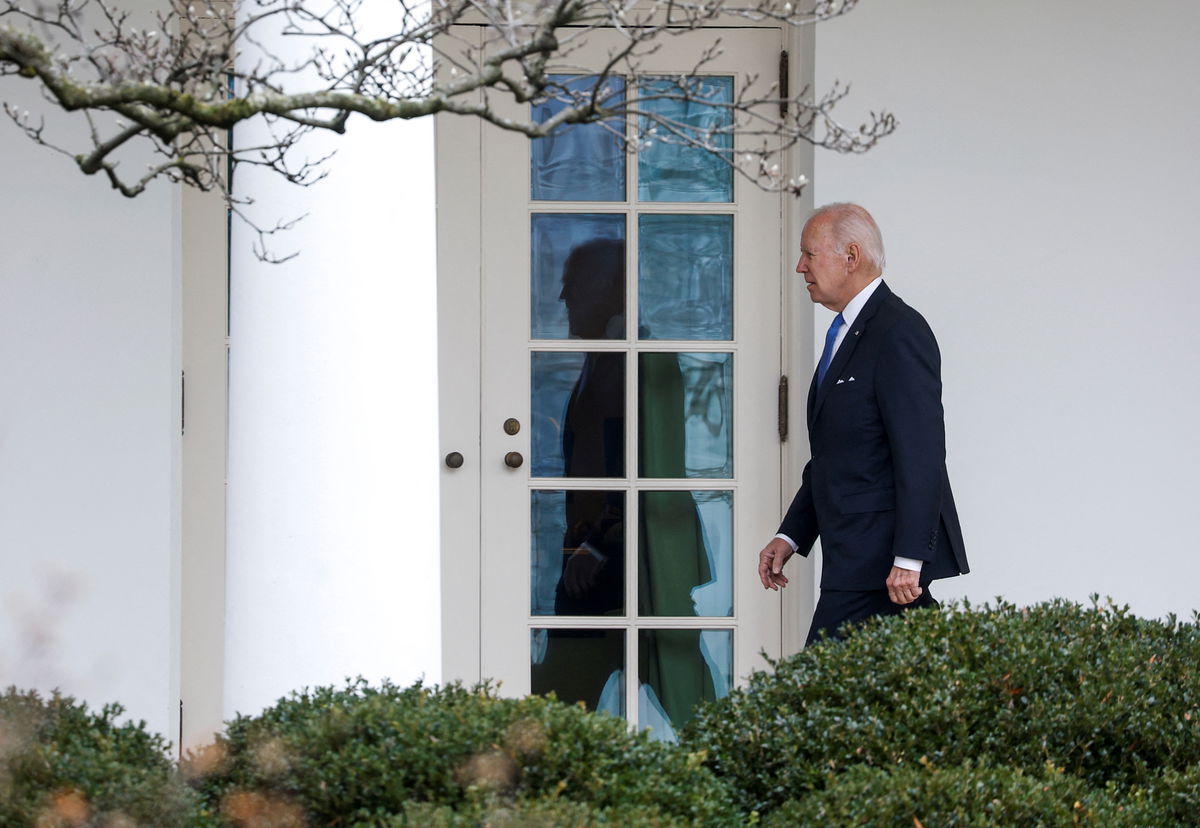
851, 223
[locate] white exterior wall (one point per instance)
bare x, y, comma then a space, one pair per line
89, 432
1038, 207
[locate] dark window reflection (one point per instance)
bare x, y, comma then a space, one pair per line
593, 289
577, 270
580, 666
578, 560
578, 408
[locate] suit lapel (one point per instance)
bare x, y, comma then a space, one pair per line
817, 394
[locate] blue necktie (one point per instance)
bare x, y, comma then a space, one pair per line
827, 354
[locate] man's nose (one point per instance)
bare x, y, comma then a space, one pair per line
800, 265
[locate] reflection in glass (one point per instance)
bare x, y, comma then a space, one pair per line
685, 415
578, 414
685, 553
579, 162
678, 669
685, 277
578, 553
580, 666
577, 279
671, 171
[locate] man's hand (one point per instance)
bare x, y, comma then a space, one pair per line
771, 561
903, 585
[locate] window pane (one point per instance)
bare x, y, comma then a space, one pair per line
678, 669
578, 555
685, 277
685, 553
579, 162
580, 666
670, 171
685, 411
578, 412
577, 283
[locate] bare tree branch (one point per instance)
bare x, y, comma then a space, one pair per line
204, 67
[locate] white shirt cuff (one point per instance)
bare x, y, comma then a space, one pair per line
594, 552
795, 546
909, 563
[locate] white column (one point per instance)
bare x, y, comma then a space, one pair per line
333, 508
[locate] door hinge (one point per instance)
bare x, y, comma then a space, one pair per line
783, 409
784, 86
182, 402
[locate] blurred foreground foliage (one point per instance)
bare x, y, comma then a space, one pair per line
1056, 714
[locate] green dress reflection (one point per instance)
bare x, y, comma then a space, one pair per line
672, 553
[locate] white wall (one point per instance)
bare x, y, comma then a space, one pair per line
333, 493
1038, 208
89, 432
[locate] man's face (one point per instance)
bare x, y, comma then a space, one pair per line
825, 270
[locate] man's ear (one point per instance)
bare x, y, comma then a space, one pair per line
853, 256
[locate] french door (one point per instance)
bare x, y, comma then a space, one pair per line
629, 460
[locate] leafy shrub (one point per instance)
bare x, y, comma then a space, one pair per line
538, 813
1172, 799
371, 755
61, 765
1105, 695
968, 796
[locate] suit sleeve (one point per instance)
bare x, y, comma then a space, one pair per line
909, 394
800, 522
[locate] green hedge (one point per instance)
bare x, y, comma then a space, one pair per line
1052, 715
1171, 799
969, 796
372, 755
62, 765
1098, 692
980, 796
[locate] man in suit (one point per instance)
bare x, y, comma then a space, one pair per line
876, 490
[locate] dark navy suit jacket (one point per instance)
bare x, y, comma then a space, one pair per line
876, 486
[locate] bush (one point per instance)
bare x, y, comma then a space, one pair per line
1172, 799
61, 765
1102, 694
541, 813
969, 796
367, 755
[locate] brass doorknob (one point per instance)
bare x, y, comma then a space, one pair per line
513, 459
454, 460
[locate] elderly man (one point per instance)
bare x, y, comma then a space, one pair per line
876, 490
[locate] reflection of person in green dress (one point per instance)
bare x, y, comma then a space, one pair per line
672, 552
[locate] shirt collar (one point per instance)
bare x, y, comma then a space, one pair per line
854, 306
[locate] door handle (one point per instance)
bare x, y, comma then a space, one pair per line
513, 459
454, 460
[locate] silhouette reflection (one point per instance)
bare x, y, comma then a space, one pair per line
674, 560
593, 437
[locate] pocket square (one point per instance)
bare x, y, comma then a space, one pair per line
850, 380
839, 382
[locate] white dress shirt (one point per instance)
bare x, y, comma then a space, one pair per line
849, 314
